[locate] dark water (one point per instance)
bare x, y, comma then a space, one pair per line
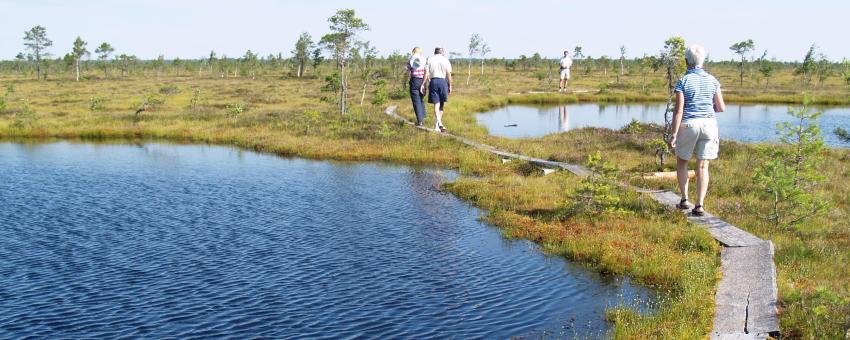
744, 123
155, 240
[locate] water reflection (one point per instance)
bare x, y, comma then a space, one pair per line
563, 118
745, 123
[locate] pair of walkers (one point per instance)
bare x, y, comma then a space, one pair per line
436, 73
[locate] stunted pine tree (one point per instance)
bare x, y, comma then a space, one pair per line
103, 51
36, 41
789, 176
475, 42
808, 67
344, 27
78, 52
742, 49
302, 50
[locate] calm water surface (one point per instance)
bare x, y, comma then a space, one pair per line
744, 123
167, 241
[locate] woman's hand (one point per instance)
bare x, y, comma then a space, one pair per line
672, 142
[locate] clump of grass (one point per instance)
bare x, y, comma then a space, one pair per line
96, 103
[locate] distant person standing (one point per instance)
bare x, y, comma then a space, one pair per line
694, 130
565, 64
416, 68
439, 71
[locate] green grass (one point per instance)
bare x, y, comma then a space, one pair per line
285, 116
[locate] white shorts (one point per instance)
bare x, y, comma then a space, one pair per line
565, 74
698, 136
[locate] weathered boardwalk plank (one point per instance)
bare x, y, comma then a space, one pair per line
746, 295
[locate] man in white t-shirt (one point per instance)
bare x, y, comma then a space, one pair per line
439, 71
566, 63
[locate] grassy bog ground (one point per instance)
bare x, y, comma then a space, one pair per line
285, 116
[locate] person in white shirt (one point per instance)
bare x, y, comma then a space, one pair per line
566, 63
439, 71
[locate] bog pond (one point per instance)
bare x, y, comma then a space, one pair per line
186, 241
743, 123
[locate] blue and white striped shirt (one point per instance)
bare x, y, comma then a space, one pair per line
698, 88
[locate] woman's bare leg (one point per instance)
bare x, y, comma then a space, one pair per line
702, 180
682, 176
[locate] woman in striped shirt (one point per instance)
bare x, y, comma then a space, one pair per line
694, 130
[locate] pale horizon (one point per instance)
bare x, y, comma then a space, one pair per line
191, 29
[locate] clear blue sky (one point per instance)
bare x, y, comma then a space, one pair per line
191, 28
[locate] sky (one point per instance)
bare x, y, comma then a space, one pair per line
191, 28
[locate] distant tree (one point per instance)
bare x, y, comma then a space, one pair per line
36, 41
302, 50
250, 62
126, 63
622, 62
808, 67
176, 64
344, 26
577, 55
78, 52
316, 59
742, 49
765, 68
845, 72
483, 51
604, 64
475, 42
103, 51
211, 60
159, 64
20, 60
824, 69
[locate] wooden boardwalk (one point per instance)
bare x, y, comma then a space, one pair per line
746, 297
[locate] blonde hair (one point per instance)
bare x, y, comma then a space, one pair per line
417, 50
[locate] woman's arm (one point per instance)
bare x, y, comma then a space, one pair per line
678, 110
719, 104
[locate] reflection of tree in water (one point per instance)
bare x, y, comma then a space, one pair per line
563, 118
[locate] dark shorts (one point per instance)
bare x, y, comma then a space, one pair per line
438, 91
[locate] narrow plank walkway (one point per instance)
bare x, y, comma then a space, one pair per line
746, 297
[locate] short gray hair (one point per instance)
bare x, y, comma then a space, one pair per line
695, 55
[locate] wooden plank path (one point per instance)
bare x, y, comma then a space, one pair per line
746, 296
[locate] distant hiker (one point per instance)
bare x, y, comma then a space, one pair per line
698, 98
439, 71
565, 64
416, 68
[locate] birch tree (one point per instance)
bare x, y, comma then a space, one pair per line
474, 46
78, 52
483, 51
